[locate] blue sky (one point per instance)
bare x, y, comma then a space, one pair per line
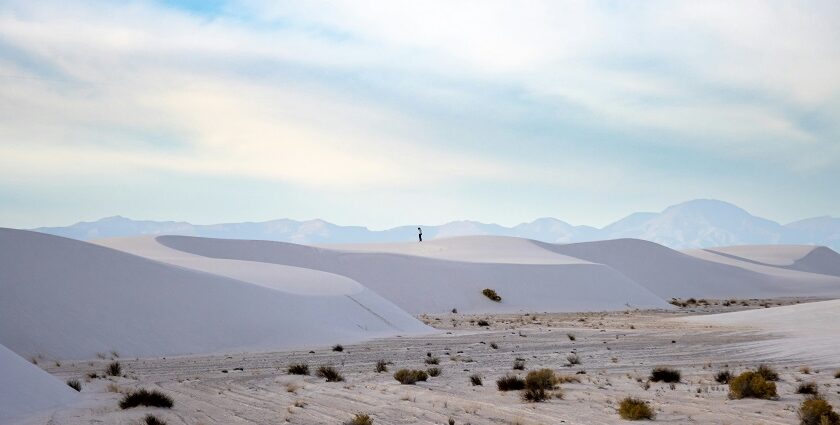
385, 113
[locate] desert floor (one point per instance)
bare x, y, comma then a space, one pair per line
617, 351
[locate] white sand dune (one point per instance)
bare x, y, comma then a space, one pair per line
808, 330
448, 273
699, 273
806, 258
63, 298
28, 390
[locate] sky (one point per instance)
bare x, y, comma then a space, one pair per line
383, 113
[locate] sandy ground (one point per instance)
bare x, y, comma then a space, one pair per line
617, 351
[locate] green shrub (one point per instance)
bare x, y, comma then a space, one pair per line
329, 373
360, 419
767, 372
816, 411
664, 374
114, 369
74, 384
381, 366
510, 383
751, 385
299, 369
410, 377
634, 409
143, 397
807, 388
489, 293
153, 420
475, 380
538, 383
723, 377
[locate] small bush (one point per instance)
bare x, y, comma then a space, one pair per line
723, 377
381, 366
143, 397
519, 364
767, 372
664, 374
329, 373
360, 419
483, 322
510, 383
489, 293
432, 360
338, 347
751, 385
153, 420
475, 380
634, 409
299, 369
433, 371
538, 383
816, 411
494, 346
75, 384
114, 369
410, 377
573, 359
809, 388
572, 337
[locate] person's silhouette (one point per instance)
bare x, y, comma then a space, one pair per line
420, 234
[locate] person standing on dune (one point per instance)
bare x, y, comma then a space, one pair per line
420, 234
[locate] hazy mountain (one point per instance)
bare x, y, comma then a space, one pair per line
693, 224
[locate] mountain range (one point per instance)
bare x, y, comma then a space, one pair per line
699, 223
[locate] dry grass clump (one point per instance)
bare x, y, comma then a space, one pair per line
298, 369
433, 371
807, 388
816, 411
432, 360
767, 372
489, 293
74, 384
723, 377
153, 420
410, 377
568, 379
510, 383
144, 397
381, 366
573, 359
665, 374
519, 364
329, 373
539, 384
114, 369
475, 380
751, 385
634, 409
338, 347
360, 419
483, 322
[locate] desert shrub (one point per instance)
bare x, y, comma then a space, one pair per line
664, 374
114, 369
723, 377
807, 388
751, 385
329, 373
299, 369
143, 397
816, 411
510, 383
538, 383
519, 364
634, 409
572, 337
475, 380
494, 346
360, 419
767, 372
410, 377
381, 366
433, 371
74, 384
573, 359
483, 322
432, 360
338, 347
489, 293
153, 420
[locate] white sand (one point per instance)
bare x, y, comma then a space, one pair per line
27, 390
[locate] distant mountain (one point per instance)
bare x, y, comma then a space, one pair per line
694, 224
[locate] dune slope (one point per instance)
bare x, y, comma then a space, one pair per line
63, 298
27, 389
